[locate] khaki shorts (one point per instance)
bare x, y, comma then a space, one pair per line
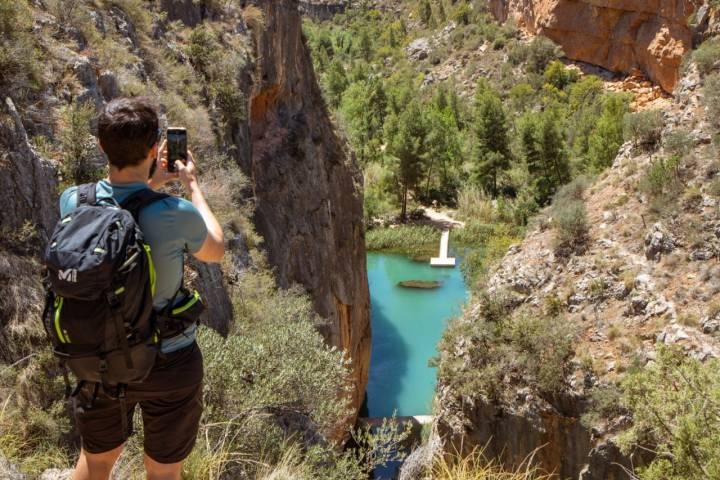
170, 400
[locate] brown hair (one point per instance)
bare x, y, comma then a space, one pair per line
128, 130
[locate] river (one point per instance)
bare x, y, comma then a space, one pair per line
407, 324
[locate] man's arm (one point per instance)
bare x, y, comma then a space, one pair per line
213, 248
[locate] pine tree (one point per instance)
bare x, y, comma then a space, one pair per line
545, 154
406, 139
336, 83
605, 141
365, 45
492, 145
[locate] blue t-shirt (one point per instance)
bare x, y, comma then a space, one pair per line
171, 227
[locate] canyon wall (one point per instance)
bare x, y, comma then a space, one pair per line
307, 187
620, 35
322, 10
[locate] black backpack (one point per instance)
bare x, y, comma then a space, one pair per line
101, 282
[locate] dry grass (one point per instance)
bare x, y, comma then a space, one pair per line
477, 467
254, 17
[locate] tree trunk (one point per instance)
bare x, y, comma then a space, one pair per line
403, 211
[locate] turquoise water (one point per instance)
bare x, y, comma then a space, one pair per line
407, 325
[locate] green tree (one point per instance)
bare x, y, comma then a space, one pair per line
443, 147
543, 148
553, 151
363, 109
336, 83
492, 145
406, 141
559, 76
365, 45
606, 139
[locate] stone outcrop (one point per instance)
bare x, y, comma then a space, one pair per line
27, 181
620, 35
322, 10
307, 188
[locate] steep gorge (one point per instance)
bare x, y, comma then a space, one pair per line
619, 35
308, 189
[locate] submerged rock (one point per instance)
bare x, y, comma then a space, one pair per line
421, 284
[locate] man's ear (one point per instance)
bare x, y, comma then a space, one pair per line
100, 147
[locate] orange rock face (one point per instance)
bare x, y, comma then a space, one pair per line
620, 35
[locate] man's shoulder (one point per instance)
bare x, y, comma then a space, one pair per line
179, 209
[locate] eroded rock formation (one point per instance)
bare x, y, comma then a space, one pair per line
307, 188
620, 35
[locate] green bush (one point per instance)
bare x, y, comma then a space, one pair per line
20, 67
679, 143
540, 52
524, 348
559, 76
707, 55
644, 128
680, 423
662, 177
572, 191
571, 222
711, 99
77, 144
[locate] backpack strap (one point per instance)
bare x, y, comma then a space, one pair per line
87, 194
141, 199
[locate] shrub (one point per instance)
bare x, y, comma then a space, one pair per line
541, 51
20, 68
571, 223
644, 128
661, 177
679, 143
558, 75
707, 55
572, 191
204, 50
711, 99
77, 144
682, 423
535, 350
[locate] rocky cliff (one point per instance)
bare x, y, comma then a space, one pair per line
620, 35
308, 188
647, 278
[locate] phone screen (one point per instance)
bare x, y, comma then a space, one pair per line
176, 146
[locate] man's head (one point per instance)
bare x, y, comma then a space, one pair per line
128, 131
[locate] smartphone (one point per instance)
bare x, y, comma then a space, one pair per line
176, 146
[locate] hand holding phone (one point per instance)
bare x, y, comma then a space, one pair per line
176, 147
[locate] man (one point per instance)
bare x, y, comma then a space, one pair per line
171, 397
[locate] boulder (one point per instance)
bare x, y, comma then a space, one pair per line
419, 49
657, 242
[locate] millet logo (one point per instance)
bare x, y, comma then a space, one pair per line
68, 275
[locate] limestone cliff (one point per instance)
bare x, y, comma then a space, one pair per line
307, 188
645, 280
620, 35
